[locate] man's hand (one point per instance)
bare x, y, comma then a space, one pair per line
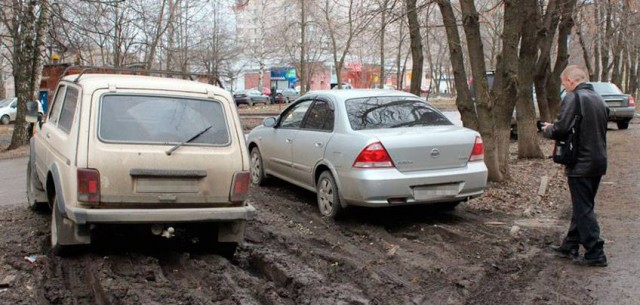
545, 125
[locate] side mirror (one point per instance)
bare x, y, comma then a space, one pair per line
31, 112
269, 122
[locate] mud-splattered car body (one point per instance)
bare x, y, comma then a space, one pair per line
123, 149
373, 148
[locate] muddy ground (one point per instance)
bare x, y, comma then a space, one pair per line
491, 250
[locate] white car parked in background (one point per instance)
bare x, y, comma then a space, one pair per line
9, 109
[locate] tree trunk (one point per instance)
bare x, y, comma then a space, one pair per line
160, 30
505, 85
484, 99
605, 43
564, 29
3, 91
399, 68
526, 117
616, 72
383, 18
585, 53
633, 70
543, 65
28, 42
464, 102
416, 47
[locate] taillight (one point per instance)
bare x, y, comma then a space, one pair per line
373, 156
240, 187
477, 153
88, 185
632, 101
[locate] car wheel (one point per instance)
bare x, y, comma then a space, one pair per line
32, 202
328, 196
623, 124
258, 176
5, 120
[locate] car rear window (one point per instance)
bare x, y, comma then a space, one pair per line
161, 120
392, 112
606, 88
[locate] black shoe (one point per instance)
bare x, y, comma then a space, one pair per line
565, 252
591, 262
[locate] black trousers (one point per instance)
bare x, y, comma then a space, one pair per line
584, 229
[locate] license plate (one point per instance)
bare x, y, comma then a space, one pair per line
436, 191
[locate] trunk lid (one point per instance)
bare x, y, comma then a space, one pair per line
616, 100
426, 148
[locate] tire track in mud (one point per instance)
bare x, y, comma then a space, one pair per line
294, 256
366, 253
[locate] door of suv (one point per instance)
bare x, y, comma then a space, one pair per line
54, 140
59, 136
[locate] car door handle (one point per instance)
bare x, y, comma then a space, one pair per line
289, 141
318, 144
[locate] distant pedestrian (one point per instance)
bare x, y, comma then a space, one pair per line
273, 94
584, 176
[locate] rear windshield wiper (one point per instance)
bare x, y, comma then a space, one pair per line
168, 152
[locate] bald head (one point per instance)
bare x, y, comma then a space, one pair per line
572, 76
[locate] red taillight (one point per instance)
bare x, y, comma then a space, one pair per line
632, 101
477, 153
88, 185
373, 156
240, 187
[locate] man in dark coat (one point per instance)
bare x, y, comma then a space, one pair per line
584, 176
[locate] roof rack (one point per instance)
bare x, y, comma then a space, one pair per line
71, 69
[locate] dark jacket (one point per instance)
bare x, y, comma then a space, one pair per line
592, 139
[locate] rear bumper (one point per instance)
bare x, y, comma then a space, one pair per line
621, 113
88, 216
373, 188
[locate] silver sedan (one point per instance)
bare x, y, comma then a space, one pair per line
373, 148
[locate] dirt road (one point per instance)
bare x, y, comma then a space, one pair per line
492, 250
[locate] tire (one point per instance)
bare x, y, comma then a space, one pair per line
328, 196
5, 120
258, 176
623, 124
32, 202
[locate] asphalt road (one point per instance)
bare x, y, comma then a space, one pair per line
13, 181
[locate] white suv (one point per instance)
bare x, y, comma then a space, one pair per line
131, 149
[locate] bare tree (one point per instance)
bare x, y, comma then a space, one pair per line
344, 20
416, 46
26, 23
